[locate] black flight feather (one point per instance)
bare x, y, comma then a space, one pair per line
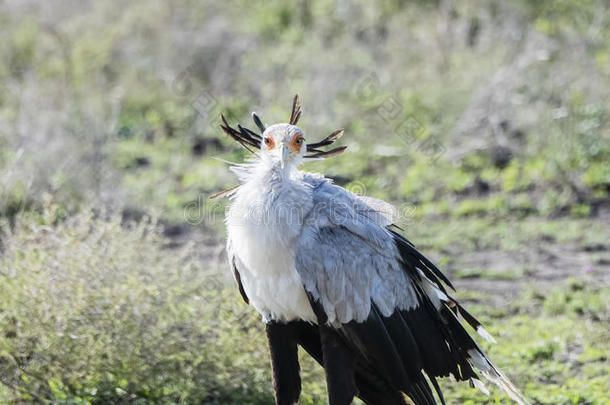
471, 320
437, 388
372, 389
408, 250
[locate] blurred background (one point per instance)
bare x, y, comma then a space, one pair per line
485, 122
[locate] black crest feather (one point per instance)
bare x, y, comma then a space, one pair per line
296, 110
251, 140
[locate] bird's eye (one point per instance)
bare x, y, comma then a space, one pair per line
297, 142
269, 142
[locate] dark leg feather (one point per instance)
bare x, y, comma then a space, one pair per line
337, 361
339, 367
284, 362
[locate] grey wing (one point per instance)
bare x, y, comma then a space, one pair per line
347, 259
368, 208
386, 299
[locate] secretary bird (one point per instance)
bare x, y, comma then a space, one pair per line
329, 271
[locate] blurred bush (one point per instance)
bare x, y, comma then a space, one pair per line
509, 100
95, 311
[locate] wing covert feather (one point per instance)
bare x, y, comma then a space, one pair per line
347, 259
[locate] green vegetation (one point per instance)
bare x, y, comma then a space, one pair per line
485, 122
127, 103
96, 311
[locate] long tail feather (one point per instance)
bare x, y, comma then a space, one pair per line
482, 363
479, 360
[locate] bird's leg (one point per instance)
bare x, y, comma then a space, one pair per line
284, 362
339, 367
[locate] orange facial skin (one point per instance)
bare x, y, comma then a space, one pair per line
297, 142
269, 142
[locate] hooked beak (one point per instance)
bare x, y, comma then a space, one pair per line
284, 155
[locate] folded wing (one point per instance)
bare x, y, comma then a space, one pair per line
386, 300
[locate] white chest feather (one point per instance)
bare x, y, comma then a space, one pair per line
263, 229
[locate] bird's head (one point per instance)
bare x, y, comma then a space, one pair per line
283, 144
